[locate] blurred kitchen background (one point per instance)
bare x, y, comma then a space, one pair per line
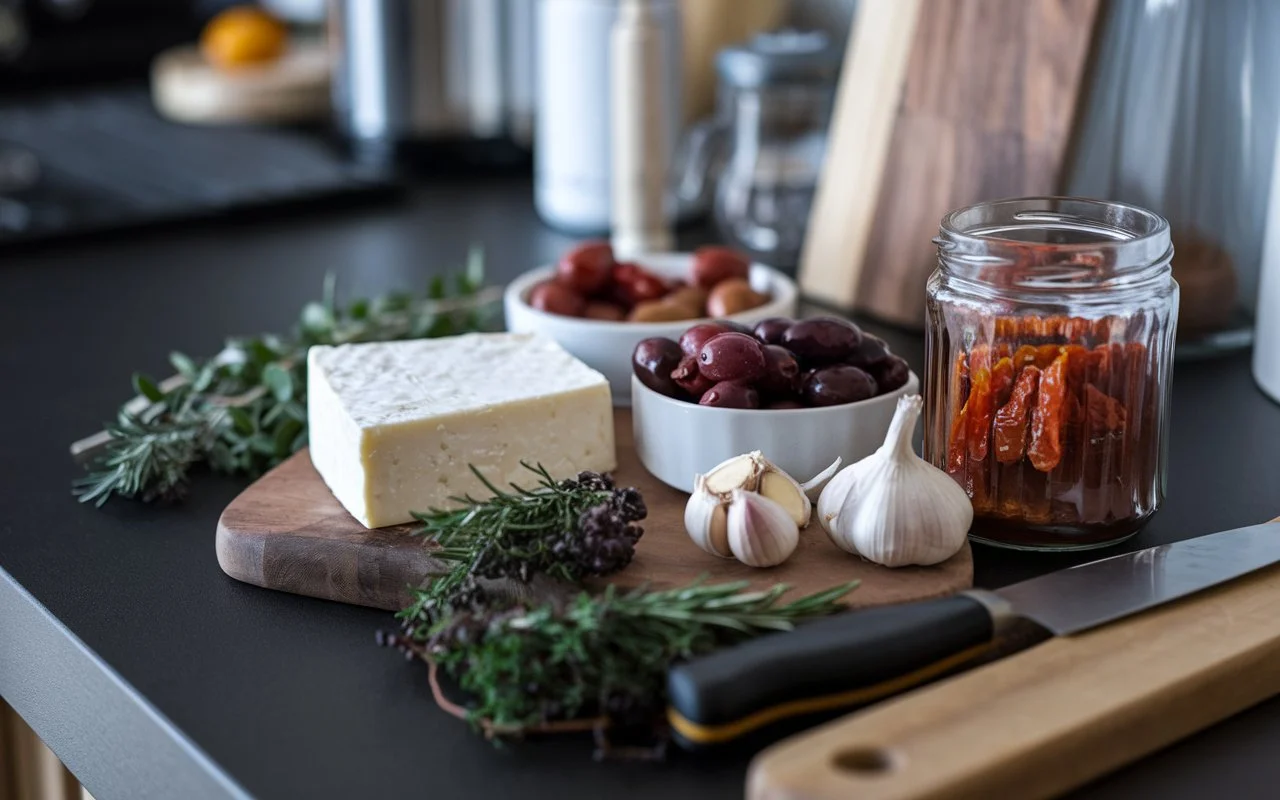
826, 137
129, 113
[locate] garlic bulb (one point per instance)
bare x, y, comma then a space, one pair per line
893, 507
761, 532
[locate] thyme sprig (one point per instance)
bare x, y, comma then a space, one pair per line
244, 410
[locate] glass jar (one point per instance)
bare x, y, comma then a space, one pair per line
1050, 344
768, 141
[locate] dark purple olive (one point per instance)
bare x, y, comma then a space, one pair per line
727, 394
781, 372
732, 357
890, 374
871, 350
822, 340
653, 360
692, 340
736, 327
784, 405
834, 386
770, 330
688, 378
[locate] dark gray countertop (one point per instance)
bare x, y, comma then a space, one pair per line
152, 674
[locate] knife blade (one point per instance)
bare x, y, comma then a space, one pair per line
777, 683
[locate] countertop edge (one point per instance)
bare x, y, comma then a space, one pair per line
103, 730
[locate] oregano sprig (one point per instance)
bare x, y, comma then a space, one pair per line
244, 410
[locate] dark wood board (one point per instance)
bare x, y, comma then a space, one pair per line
288, 532
982, 107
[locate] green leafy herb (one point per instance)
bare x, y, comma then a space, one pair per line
245, 410
566, 530
604, 655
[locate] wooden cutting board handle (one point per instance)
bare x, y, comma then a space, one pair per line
1052, 718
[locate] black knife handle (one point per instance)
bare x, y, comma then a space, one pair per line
835, 664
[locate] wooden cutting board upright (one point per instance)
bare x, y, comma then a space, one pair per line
941, 104
288, 532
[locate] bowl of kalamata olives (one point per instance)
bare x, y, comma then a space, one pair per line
598, 308
803, 392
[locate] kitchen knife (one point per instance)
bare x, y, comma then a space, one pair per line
773, 684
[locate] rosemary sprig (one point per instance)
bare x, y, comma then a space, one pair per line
244, 410
603, 654
566, 530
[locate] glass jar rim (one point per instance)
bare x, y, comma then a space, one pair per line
1070, 241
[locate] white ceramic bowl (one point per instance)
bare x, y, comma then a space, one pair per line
606, 346
677, 440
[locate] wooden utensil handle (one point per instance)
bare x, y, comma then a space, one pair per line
836, 664
1052, 718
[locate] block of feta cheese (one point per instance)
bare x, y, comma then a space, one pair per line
395, 425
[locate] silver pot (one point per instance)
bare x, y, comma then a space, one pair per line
423, 71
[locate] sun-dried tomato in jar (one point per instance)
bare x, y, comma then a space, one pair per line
1050, 345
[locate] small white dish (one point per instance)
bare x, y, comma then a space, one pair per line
607, 346
677, 440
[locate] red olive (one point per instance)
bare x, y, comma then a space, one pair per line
732, 357
653, 361
871, 350
714, 264
587, 268
781, 372
728, 394
692, 340
834, 386
770, 330
633, 284
553, 298
822, 340
687, 376
890, 374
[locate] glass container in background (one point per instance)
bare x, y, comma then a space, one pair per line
764, 150
1181, 117
1050, 342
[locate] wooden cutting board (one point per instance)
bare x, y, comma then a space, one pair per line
288, 532
1050, 719
941, 104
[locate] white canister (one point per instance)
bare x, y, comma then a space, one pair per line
572, 153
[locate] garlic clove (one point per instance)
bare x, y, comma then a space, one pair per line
739, 472
783, 490
706, 520
813, 487
761, 532
893, 507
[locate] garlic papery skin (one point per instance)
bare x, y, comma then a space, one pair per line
893, 507
761, 532
813, 487
752, 472
706, 519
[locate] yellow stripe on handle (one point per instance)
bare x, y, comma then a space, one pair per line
723, 732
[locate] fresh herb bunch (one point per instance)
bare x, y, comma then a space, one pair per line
244, 410
604, 655
567, 530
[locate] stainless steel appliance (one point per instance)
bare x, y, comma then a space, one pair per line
433, 77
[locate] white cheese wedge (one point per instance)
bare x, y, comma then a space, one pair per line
394, 426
